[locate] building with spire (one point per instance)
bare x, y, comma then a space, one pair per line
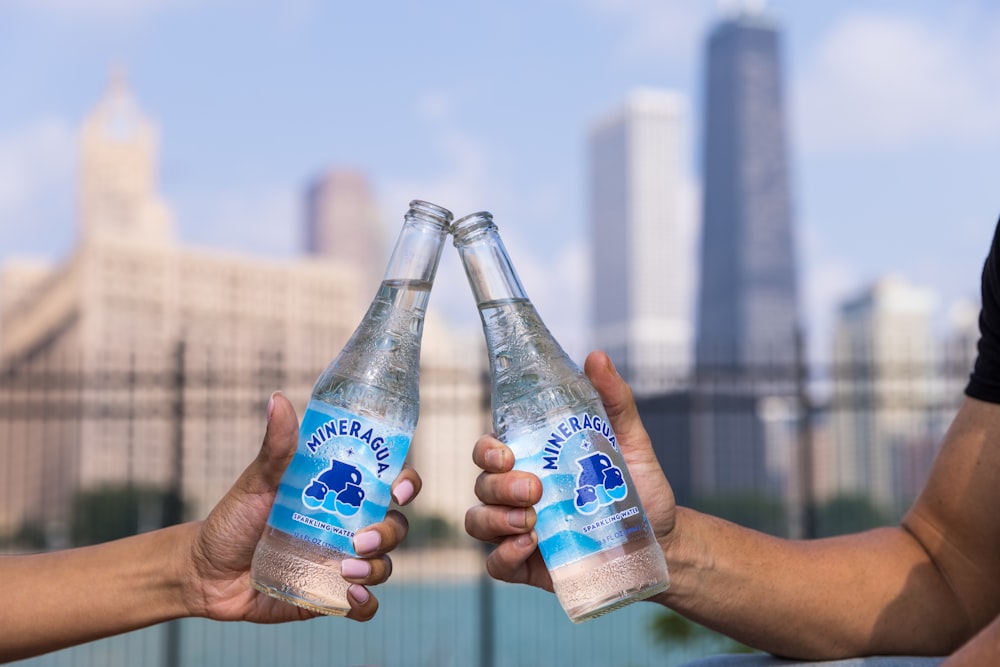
141, 362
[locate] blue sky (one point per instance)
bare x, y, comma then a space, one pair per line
895, 108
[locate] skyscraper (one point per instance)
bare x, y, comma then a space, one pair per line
884, 356
747, 302
343, 224
745, 415
642, 250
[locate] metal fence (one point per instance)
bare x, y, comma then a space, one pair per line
92, 456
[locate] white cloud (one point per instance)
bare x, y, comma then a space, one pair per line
885, 81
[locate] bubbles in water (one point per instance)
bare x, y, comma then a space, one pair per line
387, 343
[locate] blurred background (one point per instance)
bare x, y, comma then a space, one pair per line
773, 216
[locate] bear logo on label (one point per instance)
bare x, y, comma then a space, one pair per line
599, 483
336, 490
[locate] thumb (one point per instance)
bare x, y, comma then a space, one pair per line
633, 441
617, 397
280, 441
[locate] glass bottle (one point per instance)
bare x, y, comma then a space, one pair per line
355, 433
592, 530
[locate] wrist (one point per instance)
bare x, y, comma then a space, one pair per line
185, 573
681, 566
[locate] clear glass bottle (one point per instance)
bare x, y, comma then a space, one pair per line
592, 529
355, 433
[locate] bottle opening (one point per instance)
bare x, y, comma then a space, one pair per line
424, 210
473, 222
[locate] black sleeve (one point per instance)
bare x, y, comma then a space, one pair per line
984, 383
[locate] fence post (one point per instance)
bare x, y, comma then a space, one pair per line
487, 604
807, 490
173, 506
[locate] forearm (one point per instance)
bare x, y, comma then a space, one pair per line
983, 649
871, 593
59, 599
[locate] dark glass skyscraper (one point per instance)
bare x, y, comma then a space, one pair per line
747, 300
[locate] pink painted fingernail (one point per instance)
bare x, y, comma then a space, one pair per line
359, 593
367, 542
353, 568
404, 492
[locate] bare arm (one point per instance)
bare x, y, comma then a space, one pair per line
59, 599
922, 588
54, 600
893, 590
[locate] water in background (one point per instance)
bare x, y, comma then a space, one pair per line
418, 625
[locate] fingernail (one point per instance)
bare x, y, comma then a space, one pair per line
525, 540
270, 406
353, 568
367, 542
494, 459
403, 493
517, 518
611, 366
522, 490
359, 593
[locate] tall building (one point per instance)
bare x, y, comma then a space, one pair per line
745, 414
747, 302
139, 362
343, 224
884, 382
642, 239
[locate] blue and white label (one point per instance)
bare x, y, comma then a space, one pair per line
585, 487
339, 480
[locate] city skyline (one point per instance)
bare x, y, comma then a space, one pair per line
892, 109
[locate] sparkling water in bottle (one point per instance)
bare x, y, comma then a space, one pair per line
592, 530
355, 432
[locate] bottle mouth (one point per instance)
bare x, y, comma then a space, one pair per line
466, 225
424, 210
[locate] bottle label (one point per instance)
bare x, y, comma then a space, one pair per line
587, 504
340, 477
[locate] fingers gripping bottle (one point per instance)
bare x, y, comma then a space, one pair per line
592, 530
355, 433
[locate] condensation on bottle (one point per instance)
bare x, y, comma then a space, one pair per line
355, 433
592, 529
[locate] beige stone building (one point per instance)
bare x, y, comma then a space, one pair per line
140, 360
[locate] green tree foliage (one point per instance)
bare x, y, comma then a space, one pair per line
760, 512
428, 530
673, 630
110, 512
848, 514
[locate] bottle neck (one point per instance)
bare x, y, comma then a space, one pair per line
418, 248
487, 264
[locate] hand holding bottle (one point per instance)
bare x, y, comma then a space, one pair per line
506, 517
593, 535
224, 546
62, 598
